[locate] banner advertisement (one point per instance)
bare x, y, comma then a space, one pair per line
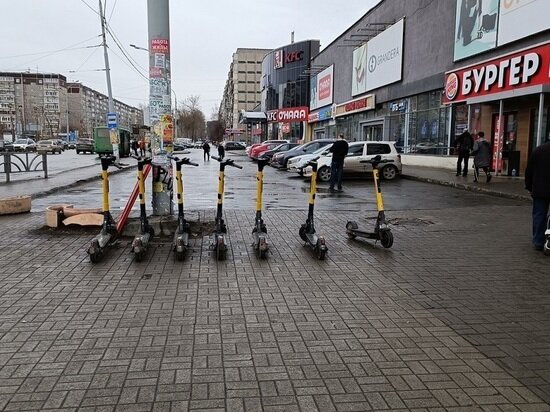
512, 72
321, 88
359, 75
519, 19
475, 27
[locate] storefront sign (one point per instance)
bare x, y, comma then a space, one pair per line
355, 106
288, 115
321, 88
278, 61
522, 69
319, 116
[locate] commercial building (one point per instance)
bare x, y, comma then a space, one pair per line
418, 72
285, 91
242, 88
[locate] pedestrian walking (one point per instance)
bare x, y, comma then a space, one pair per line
339, 150
482, 157
463, 145
135, 146
221, 151
142, 147
537, 176
206, 149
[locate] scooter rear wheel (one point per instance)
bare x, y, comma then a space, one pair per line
302, 233
139, 256
386, 238
351, 225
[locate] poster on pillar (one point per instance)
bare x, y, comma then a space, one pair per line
167, 129
497, 145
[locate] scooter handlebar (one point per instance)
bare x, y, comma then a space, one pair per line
314, 160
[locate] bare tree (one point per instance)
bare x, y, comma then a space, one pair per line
191, 118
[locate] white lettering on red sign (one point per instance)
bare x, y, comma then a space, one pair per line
324, 87
510, 72
289, 115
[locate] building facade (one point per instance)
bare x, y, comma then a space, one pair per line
33, 104
419, 72
44, 105
285, 89
242, 88
88, 108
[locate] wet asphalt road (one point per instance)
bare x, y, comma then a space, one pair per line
282, 190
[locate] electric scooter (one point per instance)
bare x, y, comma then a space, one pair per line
307, 230
146, 232
381, 232
108, 229
260, 231
181, 237
219, 243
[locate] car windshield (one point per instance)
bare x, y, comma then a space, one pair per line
322, 150
21, 141
45, 142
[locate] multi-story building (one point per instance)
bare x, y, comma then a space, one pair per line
242, 88
88, 108
44, 105
33, 104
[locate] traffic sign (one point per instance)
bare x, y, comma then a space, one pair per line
111, 120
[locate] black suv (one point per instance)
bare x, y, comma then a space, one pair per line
84, 145
281, 159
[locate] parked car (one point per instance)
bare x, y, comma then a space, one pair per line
84, 145
281, 148
6, 146
24, 145
71, 145
354, 165
63, 144
249, 148
281, 159
233, 146
297, 164
258, 150
45, 146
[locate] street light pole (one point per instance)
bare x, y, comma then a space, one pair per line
114, 131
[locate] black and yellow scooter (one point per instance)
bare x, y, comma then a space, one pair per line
219, 244
381, 232
108, 229
307, 230
146, 232
259, 232
181, 237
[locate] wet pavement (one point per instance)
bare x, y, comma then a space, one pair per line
453, 317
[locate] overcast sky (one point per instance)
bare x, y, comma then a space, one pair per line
204, 35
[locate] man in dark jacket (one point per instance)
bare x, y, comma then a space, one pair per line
339, 150
206, 149
463, 145
537, 181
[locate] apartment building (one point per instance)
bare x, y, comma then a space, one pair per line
242, 88
44, 105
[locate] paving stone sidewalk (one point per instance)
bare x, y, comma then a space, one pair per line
451, 318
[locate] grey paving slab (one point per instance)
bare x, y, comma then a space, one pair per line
452, 317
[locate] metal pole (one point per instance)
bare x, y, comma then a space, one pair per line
114, 131
160, 103
500, 135
539, 123
176, 116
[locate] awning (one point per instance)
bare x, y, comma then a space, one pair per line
252, 117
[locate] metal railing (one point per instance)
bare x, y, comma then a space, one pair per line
13, 162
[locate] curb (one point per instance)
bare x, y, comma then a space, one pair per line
78, 182
469, 188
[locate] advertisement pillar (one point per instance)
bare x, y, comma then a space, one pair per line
160, 107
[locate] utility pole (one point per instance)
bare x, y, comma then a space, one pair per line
112, 121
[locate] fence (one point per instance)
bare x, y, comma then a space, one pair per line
11, 163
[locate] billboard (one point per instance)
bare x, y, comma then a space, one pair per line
475, 27
523, 18
378, 62
321, 88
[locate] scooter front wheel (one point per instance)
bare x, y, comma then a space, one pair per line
139, 256
302, 233
547, 247
321, 251
95, 257
221, 253
386, 238
180, 256
350, 227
